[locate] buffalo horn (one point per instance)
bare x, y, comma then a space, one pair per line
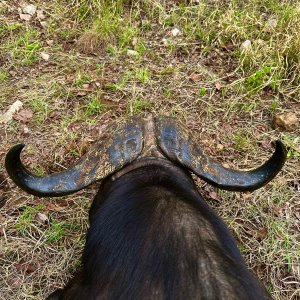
175, 142
116, 148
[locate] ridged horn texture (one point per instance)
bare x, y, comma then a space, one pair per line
178, 145
119, 146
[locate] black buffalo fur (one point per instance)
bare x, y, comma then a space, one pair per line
152, 236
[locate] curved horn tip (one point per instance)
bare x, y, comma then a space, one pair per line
279, 146
13, 153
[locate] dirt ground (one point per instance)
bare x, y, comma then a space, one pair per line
223, 68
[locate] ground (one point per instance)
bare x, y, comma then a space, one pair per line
223, 68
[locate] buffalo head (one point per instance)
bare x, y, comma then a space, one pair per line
137, 139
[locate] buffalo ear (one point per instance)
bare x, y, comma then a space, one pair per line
178, 145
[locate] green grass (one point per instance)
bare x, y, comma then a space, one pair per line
3, 75
58, 230
107, 29
82, 78
24, 48
138, 105
242, 141
94, 106
41, 109
26, 219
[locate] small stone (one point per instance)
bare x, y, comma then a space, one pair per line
271, 24
50, 42
25, 131
175, 31
45, 56
165, 41
246, 45
29, 9
132, 52
44, 24
134, 41
220, 147
285, 121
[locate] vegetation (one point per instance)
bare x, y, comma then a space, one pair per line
224, 68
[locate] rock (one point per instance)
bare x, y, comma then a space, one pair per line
29, 9
246, 45
165, 41
220, 147
271, 24
132, 52
14, 108
44, 24
45, 56
50, 42
285, 121
25, 131
175, 31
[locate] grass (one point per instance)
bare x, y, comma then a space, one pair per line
24, 47
225, 94
26, 218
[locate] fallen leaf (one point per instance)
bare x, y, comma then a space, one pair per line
86, 86
278, 211
25, 17
40, 15
27, 267
195, 77
214, 195
42, 218
246, 195
261, 233
229, 46
24, 115
218, 86
81, 93
16, 282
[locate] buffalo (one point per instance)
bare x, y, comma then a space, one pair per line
151, 234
